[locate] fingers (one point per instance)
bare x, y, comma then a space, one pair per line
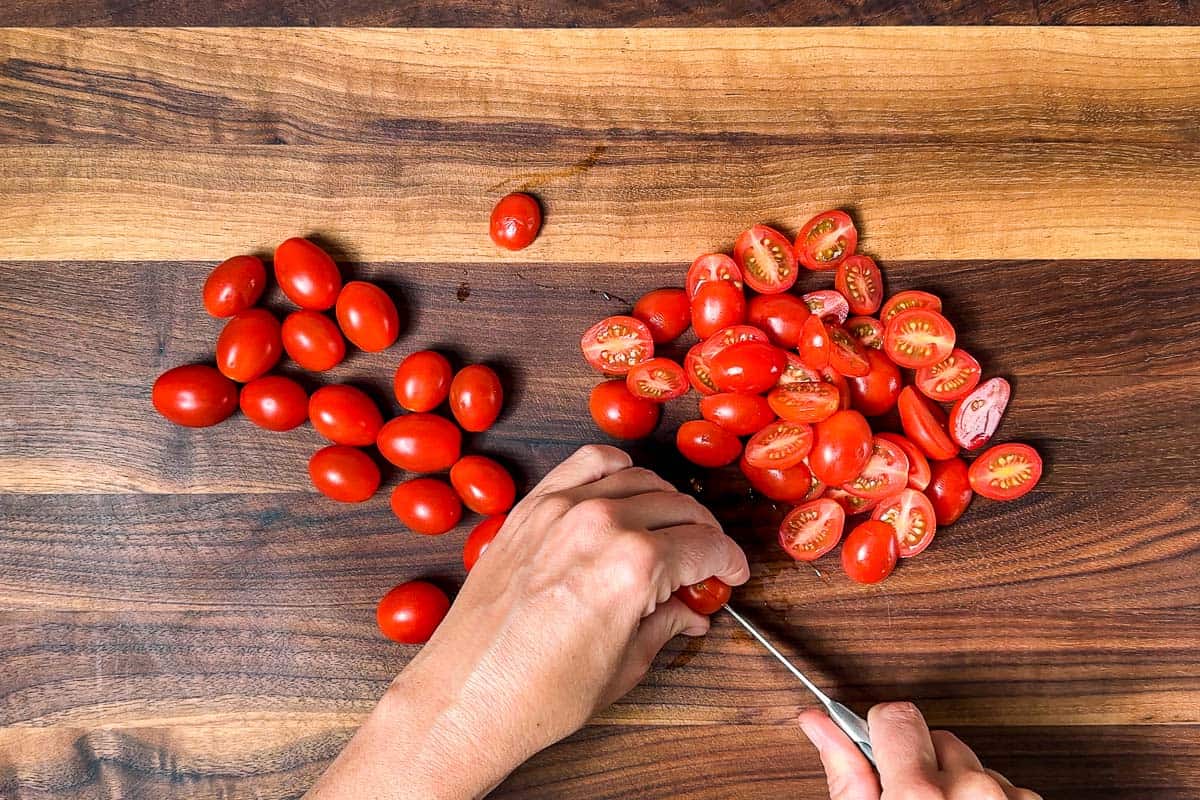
952, 754
667, 621
847, 771
621, 484
694, 552
656, 510
586, 465
903, 748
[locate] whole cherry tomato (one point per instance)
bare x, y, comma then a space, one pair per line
480, 538
195, 395
740, 414
367, 316
344, 415
949, 489
841, 448
621, 414
345, 474
234, 285
423, 381
870, 552
420, 442
747, 367
476, 397
249, 345
666, 312
875, 393
426, 505
484, 486
780, 315
707, 444
307, 275
411, 612
789, 485
275, 403
705, 597
515, 222
312, 340
717, 305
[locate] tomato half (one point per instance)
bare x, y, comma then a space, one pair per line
274, 402
740, 414
707, 444
615, 344
368, 316
1006, 471
870, 552
835, 379
846, 354
515, 221
422, 381
234, 285
949, 490
666, 312
851, 503
411, 612
780, 445
907, 301
841, 447
885, 473
951, 378
717, 305
875, 393
766, 259
427, 506
796, 372
918, 465
828, 304
924, 423
483, 485
705, 597
249, 345
747, 367
659, 379
791, 485
712, 267
826, 239
781, 316
420, 442
345, 474
698, 371
867, 330
621, 414
814, 343
480, 538
476, 397
918, 338
810, 401
812, 530
910, 514
860, 282
195, 395
816, 489
344, 415
312, 340
727, 337
307, 275
975, 418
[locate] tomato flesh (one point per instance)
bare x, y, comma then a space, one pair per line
918, 338
851, 503
910, 515
825, 240
870, 552
860, 282
780, 445
707, 444
659, 379
766, 259
918, 465
828, 305
712, 267
846, 354
812, 530
1006, 471
727, 337
907, 301
974, 418
616, 344
796, 372
810, 401
950, 379
699, 373
868, 330
885, 473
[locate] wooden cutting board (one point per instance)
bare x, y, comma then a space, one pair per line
183, 618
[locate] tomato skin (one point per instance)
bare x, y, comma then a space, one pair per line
307, 275
344, 415
484, 486
814, 343
411, 612
615, 344
860, 282
367, 316
810, 401
885, 473
717, 305
911, 517
194, 395
907, 301
666, 312
249, 345
234, 285
846, 354
825, 240
924, 423
747, 367
740, 414
868, 331
343, 473
420, 442
950, 379
766, 259
780, 445
781, 316
712, 267
812, 530
707, 444
659, 379
422, 381
515, 222
918, 465
841, 448
791, 485
949, 490
480, 538
875, 393
705, 597
1006, 471
428, 506
974, 418
312, 340
476, 397
870, 552
619, 413
698, 371
274, 402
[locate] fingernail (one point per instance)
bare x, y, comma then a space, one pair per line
695, 630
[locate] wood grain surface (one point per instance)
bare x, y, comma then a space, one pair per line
184, 618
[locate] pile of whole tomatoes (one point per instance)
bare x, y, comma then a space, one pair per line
797, 376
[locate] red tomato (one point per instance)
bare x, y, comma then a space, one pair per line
707, 444
666, 312
828, 305
885, 474
846, 354
344, 415
249, 345
367, 316
766, 259
870, 552
867, 330
420, 442
705, 597
810, 401
307, 275
791, 485
875, 393
345, 474
780, 315
1006, 471
422, 381
814, 343
780, 445
747, 367
484, 486
195, 395
841, 447
476, 397
851, 503
907, 301
727, 337
712, 267
698, 371
825, 240
480, 538
411, 612
621, 414
812, 530
975, 418
234, 285
949, 490
816, 489
275, 403
796, 372
949, 379
717, 305
924, 423
312, 340
615, 344
860, 282
910, 515
835, 379
740, 414
426, 505
659, 379
918, 465
515, 221
918, 338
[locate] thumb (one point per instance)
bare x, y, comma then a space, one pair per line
847, 770
667, 621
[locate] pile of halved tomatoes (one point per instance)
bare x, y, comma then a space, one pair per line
800, 377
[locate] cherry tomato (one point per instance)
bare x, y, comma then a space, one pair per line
814, 343
659, 379
712, 267
747, 367
367, 316
851, 503
484, 486
918, 338
344, 415
515, 222
918, 465
924, 423
810, 401
885, 474
835, 379
860, 282
825, 240
411, 612
698, 371
841, 448
780, 445
705, 597
707, 444
312, 340
875, 393
949, 490
476, 397
816, 489
1006, 471
717, 305
234, 285
829, 305
766, 259
907, 301
910, 515
870, 552
727, 337
791, 485
780, 315
615, 344
426, 505
951, 378
797, 372
422, 381
975, 418
621, 414
868, 330
666, 312
420, 442
740, 414
480, 538
812, 530
846, 354
345, 474
307, 275
274, 402
195, 395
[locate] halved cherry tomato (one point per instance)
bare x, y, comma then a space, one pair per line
816, 489
851, 503
515, 221
846, 354
867, 330
975, 418
924, 423
195, 395
698, 372
740, 414
615, 344
875, 393
812, 530
707, 444
860, 282
345, 474
476, 397
825, 240
910, 515
814, 343
766, 259
918, 465
870, 552
484, 486
781, 316
810, 401
312, 340
1006, 471
659, 379
829, 305
712, 267
780, 445
480, 538
234, 285
907, 301
717, 305
835, 379
344, 415
726, 337
666, 312
422, 381
420, 442
705, 597
307, 275
747, 367
367, 316
949, 490
796, 372
249, 345
274, 402
885, 474
411, 612
791, 485
918, 338
841, 447
951, 378
621, 414
426, 505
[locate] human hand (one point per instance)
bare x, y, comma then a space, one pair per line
914, 763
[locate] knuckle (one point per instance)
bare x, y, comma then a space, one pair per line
597, 512
976, 786
554, 505
634, 564
651, 479
901, 714
600, 454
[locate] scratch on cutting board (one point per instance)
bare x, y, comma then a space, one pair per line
539, 179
